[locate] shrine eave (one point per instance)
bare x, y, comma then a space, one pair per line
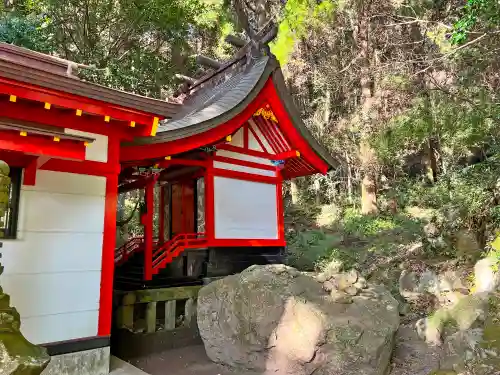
219, 111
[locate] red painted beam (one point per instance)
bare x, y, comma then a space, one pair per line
244, 151
244, 176
186, 162
91, 168
16, 159
66, 100
64, 119
246, 242
244, 163
37, 145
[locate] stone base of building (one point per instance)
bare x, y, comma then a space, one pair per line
87, 362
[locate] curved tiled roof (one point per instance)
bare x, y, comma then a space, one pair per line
214, 105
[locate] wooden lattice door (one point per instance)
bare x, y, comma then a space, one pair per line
183, 207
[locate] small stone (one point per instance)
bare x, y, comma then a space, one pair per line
330, 270
346, 279
341, 297
329, 285
361, 283
321, 277
351, 290
431, 230
485, 277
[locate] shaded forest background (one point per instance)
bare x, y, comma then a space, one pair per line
404, 93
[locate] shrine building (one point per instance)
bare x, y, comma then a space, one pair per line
210, 164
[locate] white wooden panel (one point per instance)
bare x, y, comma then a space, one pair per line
45, 252
237, 138
245, 209
252, 144
242, 168
61, 327
97, 150
53, 293
61, 212
71, 183
237, 155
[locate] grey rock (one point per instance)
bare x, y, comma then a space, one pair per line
333, 268
351, 290
486, 277
431, 230
270, 322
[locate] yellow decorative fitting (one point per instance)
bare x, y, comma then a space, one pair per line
168, 158
266, 113
132, 124
85, 144
154, 128
23, 134
156, 165
47, 105
107, 118
57, 139
297, 153
13, 98
228, 138
78, 112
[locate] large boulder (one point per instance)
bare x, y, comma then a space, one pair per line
275, 320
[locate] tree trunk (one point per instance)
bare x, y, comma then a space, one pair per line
367, 154
294, 192
349, 178
430, 161
369, 182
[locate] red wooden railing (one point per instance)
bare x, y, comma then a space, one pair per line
127, 249
171, 249
163, 254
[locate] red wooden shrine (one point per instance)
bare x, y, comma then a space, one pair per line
235, 132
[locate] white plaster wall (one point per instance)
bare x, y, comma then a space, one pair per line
242, 168
252, 142
95, 151
244, 209
53, 270
237, 155
237, 139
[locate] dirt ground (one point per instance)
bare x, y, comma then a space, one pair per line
190, 360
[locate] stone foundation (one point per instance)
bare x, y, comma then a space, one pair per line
88, 362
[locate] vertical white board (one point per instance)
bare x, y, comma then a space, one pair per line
244, 209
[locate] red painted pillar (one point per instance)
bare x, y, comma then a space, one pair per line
148, 230
279, 207
209, 202
161, 225
108, 243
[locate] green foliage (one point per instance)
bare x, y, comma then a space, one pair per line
306, 249
29, 31
482, 13
355, 223
299, 16
136, 45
